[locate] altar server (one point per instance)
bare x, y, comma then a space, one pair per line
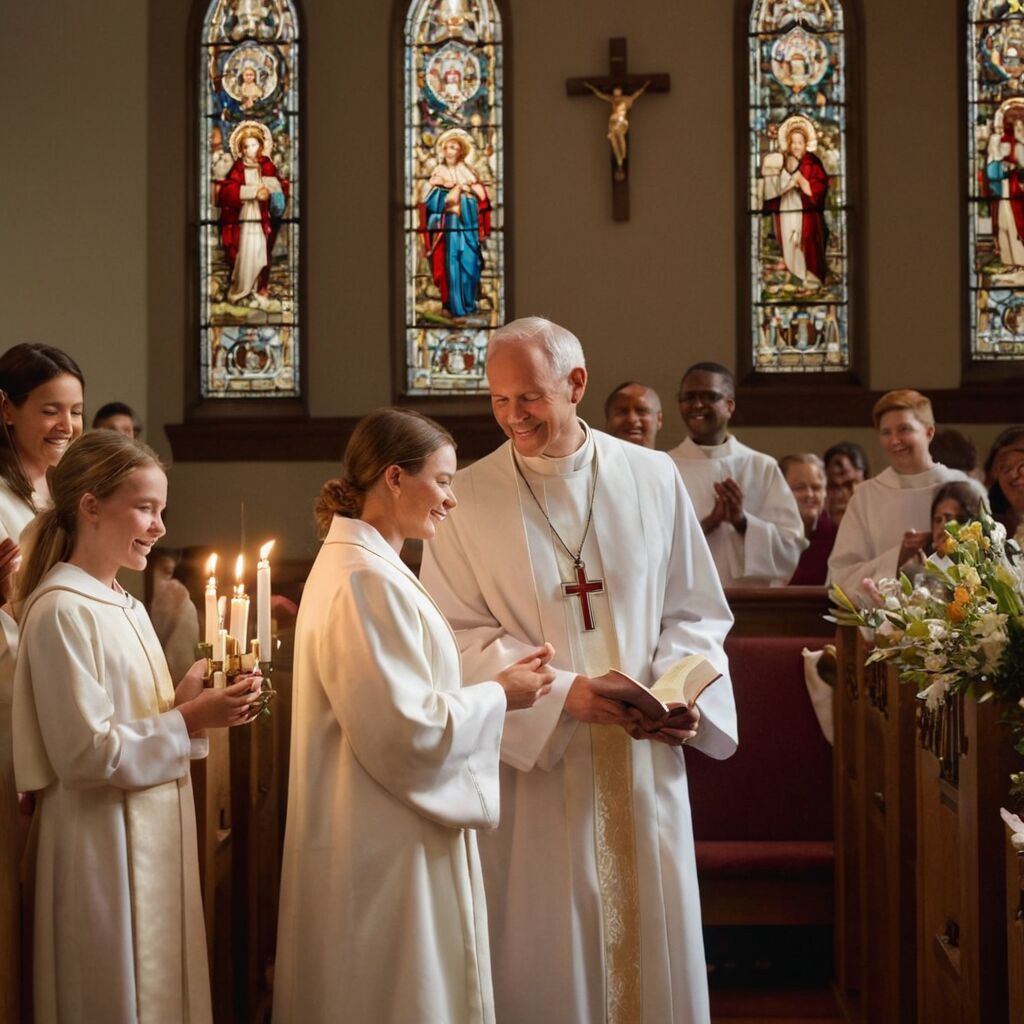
104, 739
746, 509
569, 535
889, 515
383, 918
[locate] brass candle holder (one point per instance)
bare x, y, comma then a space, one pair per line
223, 673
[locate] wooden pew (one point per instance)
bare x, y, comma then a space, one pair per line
964, 758
1015, 926
779, 611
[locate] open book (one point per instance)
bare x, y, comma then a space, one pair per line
681, 684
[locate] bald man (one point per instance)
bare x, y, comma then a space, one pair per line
633, 412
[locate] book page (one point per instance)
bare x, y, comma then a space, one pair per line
686, 680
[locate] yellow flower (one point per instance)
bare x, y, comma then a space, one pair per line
962, 595
947, 545
972, 531
955, 611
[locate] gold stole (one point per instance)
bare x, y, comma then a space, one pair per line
614, 841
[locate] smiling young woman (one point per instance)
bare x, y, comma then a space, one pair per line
888, 518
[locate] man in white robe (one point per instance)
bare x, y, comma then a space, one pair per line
591, 882
745, 508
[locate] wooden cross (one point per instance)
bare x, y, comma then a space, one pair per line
582, 589
618, 126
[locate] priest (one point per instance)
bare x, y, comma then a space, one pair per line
746, 510
568, 535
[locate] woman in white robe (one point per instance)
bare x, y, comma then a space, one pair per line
41, 409
382, 917
888, 518
105, 741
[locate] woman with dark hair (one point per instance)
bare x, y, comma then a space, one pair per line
1004, 474
392, 765
41, 399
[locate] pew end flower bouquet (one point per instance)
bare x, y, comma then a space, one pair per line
960, 627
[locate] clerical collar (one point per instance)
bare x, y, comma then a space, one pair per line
717, 451
560, 465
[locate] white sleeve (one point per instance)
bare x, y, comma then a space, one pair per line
774, 538
854, 558
436, 751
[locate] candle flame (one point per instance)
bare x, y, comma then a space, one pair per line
239, 568
211, 565
265, 550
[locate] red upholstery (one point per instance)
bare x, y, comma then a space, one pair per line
767, 810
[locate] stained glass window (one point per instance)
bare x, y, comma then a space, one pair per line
249, 200
995, 187
454, 216
799, 256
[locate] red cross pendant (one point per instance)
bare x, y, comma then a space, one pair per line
582, 589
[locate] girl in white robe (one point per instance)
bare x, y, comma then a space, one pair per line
888, 518
382, 917
41, 398
105, 741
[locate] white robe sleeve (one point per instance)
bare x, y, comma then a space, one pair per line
84, 743
774, 537
854, 558
534, 736
435, 750
695, 620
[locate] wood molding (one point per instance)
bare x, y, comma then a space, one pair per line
305, 439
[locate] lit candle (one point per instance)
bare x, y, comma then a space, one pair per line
212, 619
239, 609
263, 601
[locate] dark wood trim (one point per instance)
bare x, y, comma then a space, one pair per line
400, 10
305, 439
197, 407
806, 406
856, 200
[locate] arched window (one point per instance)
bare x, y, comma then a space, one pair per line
453, 194
995, 191
799, 182
248, 216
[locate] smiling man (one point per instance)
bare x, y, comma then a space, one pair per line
633, 412
568, 535
747, 512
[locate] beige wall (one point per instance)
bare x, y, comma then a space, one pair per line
95, 212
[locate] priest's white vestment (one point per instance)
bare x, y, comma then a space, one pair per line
15, 515
383, 916
766, 554
119, 933
591, 881
880, 511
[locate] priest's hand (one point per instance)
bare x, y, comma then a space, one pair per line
914, 542
529, 679
714, 519
683, 727
731, 495
205, 708
586, 702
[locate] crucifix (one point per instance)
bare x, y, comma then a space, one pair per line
621, 90
582, 589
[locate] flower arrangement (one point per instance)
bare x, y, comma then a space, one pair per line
960, 628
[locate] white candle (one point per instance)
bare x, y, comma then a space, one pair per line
263, 601
212, 619
239, 628
220, 645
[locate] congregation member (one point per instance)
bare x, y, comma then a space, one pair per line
120, 417
805, 475
846, 465
42, 392
567, 535
632, 412
746, 511
105, 741
887, 520
955, 450
1004, 474
393, 764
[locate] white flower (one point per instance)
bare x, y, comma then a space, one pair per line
998, 533
892, 603
989, 623
888, 587
934, 662
935, 694
969, 576
937, 630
